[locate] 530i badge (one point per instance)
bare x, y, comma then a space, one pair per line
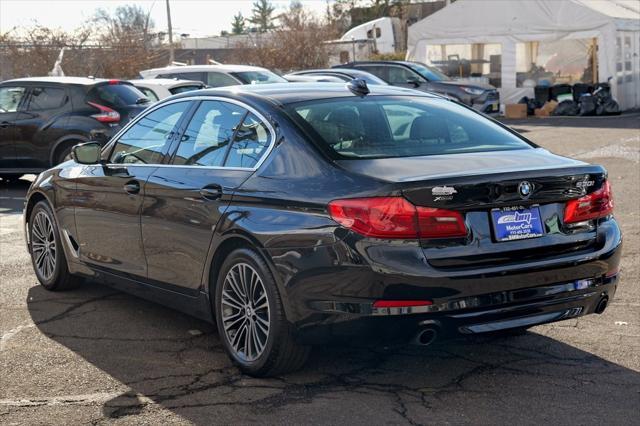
295, 213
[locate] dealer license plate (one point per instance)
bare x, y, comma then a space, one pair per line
514, 223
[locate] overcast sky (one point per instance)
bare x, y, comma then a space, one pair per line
194, 17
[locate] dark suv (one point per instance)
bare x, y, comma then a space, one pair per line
416, 75
42, 118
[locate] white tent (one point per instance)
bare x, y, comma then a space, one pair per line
515, 25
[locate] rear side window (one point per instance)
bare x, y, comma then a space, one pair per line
207, 138
10, 98
42, 98
116, 95
250, 144
383, 127
143, 142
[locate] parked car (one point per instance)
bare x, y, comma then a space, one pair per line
344, 74
295, 213
216, 75
160, 88
296, 78
41, 118
416, 75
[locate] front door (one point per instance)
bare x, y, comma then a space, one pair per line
11, 100
109, 197
184, 201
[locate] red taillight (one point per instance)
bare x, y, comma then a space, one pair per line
395, 217
595, 205
400, 303
106, 115
440, 223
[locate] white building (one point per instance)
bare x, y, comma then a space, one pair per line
517, 44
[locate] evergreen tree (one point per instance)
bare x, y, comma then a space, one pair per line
238, 26
261, 15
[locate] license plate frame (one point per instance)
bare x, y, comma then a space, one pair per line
517, 223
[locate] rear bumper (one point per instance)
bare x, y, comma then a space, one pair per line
329, 290
403, 328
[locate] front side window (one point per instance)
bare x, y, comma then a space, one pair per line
197, 76
150, 94
10, 98
182, 89
43, 98
401, 75
258, 77
143, 142
218, 79
207, 138
384, 127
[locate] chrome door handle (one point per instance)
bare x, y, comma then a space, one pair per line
132, 187
211, 192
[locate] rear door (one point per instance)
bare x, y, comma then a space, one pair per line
11, 101
219, 149
109, 196
40, 125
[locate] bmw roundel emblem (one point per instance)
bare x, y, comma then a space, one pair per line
524, 189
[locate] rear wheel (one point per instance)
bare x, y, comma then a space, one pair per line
250, 318
47, 254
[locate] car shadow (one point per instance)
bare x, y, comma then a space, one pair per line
167, 358
12, 195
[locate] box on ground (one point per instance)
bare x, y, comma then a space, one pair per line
515, 111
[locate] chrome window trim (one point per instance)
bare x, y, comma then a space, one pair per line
151, 109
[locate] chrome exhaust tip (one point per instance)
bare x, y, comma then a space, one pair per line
602, 305
425, 337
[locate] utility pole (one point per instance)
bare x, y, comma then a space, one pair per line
171, 54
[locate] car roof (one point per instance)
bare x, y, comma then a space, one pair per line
201, 68
285, 93
83, 81
165, 82
406, 63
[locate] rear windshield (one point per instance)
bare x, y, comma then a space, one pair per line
117, 95
384, 127
258, 77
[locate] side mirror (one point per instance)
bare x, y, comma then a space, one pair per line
86, 153
414, 82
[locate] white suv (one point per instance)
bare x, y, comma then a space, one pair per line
216, 75
160, 88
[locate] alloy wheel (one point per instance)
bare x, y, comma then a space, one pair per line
245, 311
43, 245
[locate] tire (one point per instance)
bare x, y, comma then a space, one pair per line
63, 155
268, 353
47, 253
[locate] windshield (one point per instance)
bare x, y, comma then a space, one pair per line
258, 77
430, 73
406, 126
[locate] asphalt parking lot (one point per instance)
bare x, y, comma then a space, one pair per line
98, 356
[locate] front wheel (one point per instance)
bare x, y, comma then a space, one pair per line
250, 318
47, 254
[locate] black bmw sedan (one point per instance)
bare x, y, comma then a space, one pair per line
289, 214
